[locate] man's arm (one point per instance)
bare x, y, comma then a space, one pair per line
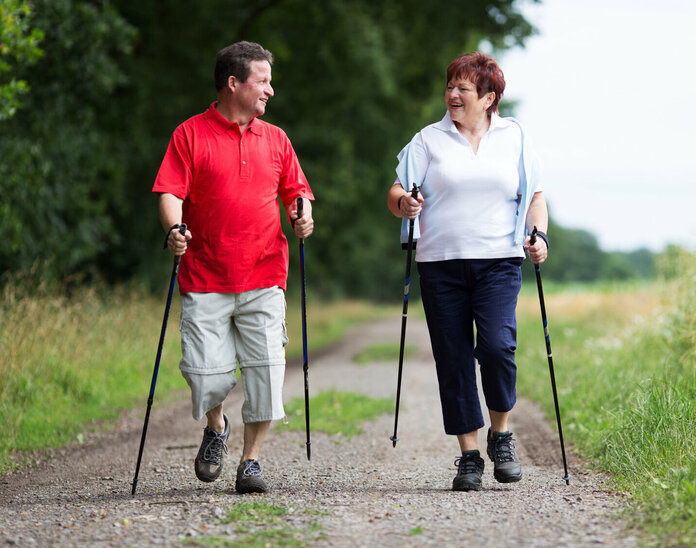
170, 212
304, 226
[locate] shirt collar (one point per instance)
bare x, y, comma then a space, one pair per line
221, 124
447, 125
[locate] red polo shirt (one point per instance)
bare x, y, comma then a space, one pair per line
230, 185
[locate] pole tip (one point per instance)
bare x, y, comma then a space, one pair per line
309, 451
566, 478
394, 439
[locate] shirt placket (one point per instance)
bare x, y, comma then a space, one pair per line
243, 158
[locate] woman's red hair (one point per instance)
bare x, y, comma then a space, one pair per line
482, 71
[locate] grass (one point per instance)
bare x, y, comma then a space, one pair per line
624, 356
260, 523
336, 413
626, 377
384, 352
328, 322
71, 365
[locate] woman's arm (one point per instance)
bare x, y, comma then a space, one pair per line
401, 204
537, 216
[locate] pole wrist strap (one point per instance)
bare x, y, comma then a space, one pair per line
166, 238
544, 237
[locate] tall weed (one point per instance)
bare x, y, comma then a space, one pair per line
67, 362
71, 361
625, 368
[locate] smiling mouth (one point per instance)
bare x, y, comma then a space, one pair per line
456, 105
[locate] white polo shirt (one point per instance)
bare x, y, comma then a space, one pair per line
470, 200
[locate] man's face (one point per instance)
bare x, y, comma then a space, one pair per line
251, 96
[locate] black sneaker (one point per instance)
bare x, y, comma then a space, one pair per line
208, 464
249, 479
501, 450
469, 471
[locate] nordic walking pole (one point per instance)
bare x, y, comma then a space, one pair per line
172, 283
532, 240
407, 283
305, 365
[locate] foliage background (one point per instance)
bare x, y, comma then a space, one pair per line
354, 80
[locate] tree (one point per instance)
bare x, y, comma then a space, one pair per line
60, 172
18, 48
354, 80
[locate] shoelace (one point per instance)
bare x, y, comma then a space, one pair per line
216, 445
504, 448
251, 468
465, 465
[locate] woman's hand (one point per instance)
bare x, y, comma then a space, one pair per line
537, 252
409, 207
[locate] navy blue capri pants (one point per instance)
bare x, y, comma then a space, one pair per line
458, 294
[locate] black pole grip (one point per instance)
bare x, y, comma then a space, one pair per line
300, 204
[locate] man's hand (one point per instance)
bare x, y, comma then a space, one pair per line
177, 242
304, 226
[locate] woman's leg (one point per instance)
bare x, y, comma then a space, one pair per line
447, 303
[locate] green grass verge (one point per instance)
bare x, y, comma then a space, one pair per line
336, 413
73, 365
625, 372
260, 523
383, 352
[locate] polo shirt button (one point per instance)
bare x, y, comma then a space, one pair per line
244, 162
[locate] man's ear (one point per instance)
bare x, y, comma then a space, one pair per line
232, 83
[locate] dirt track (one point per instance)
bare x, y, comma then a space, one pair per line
361, 492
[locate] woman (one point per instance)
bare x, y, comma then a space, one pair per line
479, 195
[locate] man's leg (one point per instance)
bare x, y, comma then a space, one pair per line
260, 323
216, 419
208, 365
209, 461
249, 471
254, 436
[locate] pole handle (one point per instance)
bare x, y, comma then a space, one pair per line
532, 236
177, 258
300, 207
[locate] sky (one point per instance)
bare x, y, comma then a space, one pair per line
607, 92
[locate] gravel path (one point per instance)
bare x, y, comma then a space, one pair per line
357, 492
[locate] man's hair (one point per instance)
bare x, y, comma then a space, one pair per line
234, 60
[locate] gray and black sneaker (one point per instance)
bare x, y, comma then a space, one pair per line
469, 471
249, 479
209, 459
501, 450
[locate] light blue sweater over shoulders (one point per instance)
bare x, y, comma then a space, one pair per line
408, 173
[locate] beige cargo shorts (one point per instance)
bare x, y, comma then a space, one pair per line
221, 330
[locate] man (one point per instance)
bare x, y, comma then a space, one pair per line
221, 175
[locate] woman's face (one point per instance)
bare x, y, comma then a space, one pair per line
463, 102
